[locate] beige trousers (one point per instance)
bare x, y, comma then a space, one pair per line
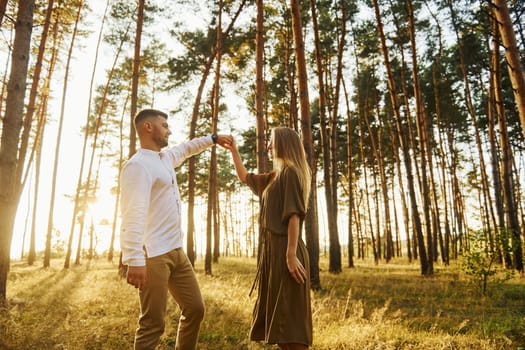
169, 272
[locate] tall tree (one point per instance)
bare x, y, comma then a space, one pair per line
259, 89
41, 126
135, 77
78, 191
335, 246
117, 190
424, 143
12, 123
327, 151
350, 174
260, 129
47, 257
496, 108
472, 113
211, 222
312, 233
403, 144
509, 197
512, 54
180, 67
28, 119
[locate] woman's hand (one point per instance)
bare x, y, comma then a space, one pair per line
296, 269
225, 141
231, 145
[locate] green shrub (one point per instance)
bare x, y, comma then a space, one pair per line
481, 261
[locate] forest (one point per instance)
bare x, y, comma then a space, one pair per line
411, 112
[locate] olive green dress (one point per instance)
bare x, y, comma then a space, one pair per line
282, 313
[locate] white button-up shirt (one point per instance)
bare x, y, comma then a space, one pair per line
150, 201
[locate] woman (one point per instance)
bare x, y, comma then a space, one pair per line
282, 313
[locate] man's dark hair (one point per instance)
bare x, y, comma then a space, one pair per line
146, 113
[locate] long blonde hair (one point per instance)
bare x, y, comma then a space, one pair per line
288, 151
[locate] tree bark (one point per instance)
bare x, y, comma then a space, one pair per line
331, 209
471, 109
59, 134
509, 198
423, 141
135, 78
496, 108
190, 240
111, 249
311, 228
212, 222
30, 110
12, 123
350, 174
512, 54
404, 147
259, 89
88, 187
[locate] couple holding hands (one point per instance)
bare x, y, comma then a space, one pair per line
152, 237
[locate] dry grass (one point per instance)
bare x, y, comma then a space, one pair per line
368, 307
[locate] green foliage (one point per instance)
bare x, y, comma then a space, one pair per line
480, 261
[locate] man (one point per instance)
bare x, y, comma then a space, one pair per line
151, 235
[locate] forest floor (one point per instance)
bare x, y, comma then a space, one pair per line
384, 306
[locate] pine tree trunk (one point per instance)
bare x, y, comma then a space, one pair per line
350, 174
404, 147
335, 246
487, 200
445, 245
367, 186
406, 215
423, 143
496, 97
325, 146
190, 240
36, 150
311, 228
111, 250
12, 122
443, 241
31, 255
512, 54
259, 89
30, 110
59, 134
509, 198
213, 196
135, 77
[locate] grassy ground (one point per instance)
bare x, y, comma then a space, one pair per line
369, 307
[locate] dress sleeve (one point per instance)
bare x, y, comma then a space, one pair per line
293, 202
258, 182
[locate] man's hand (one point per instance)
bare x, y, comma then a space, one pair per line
225, 141
137, 276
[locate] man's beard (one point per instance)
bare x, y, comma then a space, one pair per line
161, 141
